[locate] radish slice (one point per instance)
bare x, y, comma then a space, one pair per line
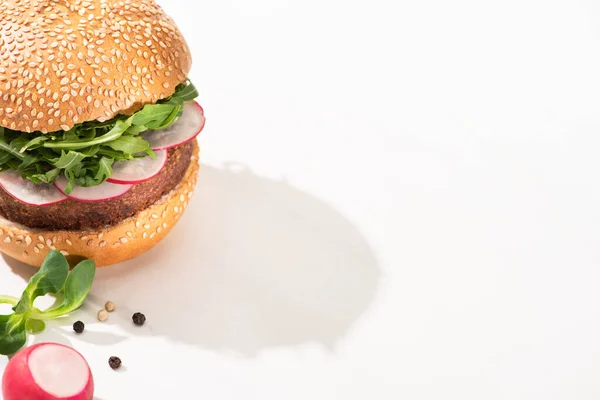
139, 169
186, 128
104, 191
48, 371
24, 190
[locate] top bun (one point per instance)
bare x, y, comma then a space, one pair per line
68, 62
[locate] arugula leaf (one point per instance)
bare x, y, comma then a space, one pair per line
47, 177
117, 130
34, 142
68, 160
187, 92
151, 113
156, 125
104, 168
28, 161
129, 144
135, 130
4, 146
4, 157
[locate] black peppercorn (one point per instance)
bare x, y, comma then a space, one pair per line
114, 362
78, 327
139, 318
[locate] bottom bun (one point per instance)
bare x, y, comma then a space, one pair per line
108, 245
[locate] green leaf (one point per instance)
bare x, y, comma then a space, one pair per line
48, 177
18, 142
28, 161
91, 151
135, 130
77, 287
152, 112
129, 144
155, 125
35, 326
36, 141
7, 148
49, 279
118, 129
104, 169
4, 157
188, 93
69, 160
12, 333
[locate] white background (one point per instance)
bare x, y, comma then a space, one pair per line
398, 200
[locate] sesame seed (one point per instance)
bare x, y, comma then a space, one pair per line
67, 241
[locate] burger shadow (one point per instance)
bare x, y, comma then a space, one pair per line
253, 264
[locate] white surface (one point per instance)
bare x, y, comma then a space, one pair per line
399, 200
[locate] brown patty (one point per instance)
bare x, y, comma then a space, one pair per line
76, 215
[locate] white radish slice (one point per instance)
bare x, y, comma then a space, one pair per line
30, 193
186, 128
104, 191
138, 170
48, 371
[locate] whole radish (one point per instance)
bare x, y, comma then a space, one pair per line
48, 371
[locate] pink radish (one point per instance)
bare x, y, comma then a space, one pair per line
187, 127
48, 371
138, 170
104, 191
24, 190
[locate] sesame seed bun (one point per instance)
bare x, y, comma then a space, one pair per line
63, 63
110, 245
